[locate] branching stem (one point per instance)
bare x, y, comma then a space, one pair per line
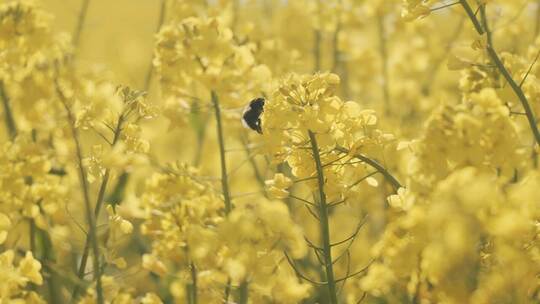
323, 220
506, 74
97, 209
10, 121
374, 164
221, 140
92, 233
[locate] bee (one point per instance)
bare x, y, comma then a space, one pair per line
251, 117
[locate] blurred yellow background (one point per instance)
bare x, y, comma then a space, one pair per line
118, 34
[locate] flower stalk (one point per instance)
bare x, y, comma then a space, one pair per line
506, 74
383, 49
193, 283
80, 23
323, 220
221, 141
92, 231
10, 121
244, 292
374, 164
97, 209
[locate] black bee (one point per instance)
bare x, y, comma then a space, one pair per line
251, 118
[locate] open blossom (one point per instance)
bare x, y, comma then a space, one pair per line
278, 186
16, 278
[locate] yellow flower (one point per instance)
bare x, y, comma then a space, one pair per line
5, 223
29, 268
149, 262
151, 298
277, 187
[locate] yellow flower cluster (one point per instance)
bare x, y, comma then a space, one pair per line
29, 187
477, 132
199, 55
468, 227
16, 278
200, 248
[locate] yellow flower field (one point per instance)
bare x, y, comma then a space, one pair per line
270, 151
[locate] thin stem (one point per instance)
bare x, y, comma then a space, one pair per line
324, 226
150, 71
502, 69
32, 231
92, 234
97, 209
244, 292
10, 121
472, 16
47, 259
383, 49
529, 70
299, 274
235, 10
224, 177
358, 227
519, 93
80, 23
374, 164
317, 50
537, 21
227, 292
194, 283
483, 18
317, 42
336, 52
355, 273
302, 200
200, 124
443, 6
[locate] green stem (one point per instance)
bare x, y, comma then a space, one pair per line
323, 220
80, 22
383, 49
519, 93
472, 16
47, 259
32, 231
483, 18
244, 292
317, 42
150, 71
335, 48
502, 69
227, 292
97, 209
32, 242
194, 283
86, 196
199, 124
317, 50
224, 177
10, 121
537, 21
235, 10
374, 164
